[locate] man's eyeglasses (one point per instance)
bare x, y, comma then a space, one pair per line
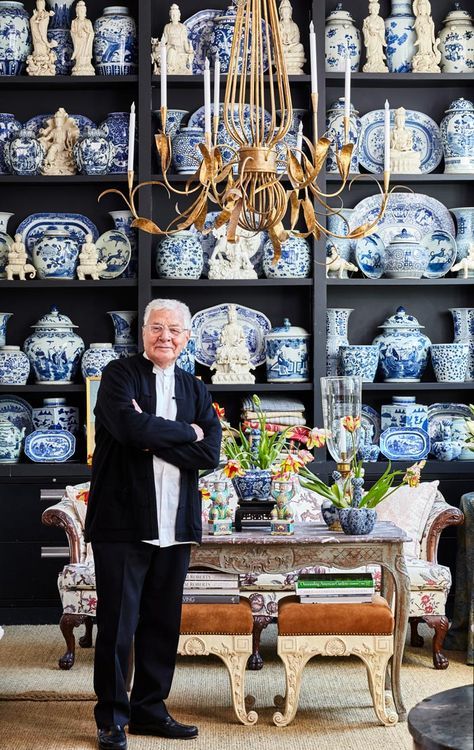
157, 329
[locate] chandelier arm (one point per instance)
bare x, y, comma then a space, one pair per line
286, 105
118, 192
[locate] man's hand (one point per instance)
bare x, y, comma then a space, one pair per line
198, 431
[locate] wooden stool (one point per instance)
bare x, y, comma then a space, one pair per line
226, 631
307, 630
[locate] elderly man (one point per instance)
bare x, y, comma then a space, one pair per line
155, 427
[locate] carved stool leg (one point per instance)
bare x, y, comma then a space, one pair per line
440, 625
294, 664
255, 661
86, 640
236, 664
376, 664
67, 624
415, 638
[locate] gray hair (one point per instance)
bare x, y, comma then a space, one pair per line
168, 304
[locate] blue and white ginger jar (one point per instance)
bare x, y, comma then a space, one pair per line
187, 358
286, 350
14, 366
403, 348
180, 256
115, 42
55, 255
115, 127
341, 34
15, 38
294, 262
95, 358
457, 135
24, 153
401, 36
94, 153
55, 413
337, 136
404, 412
405, 257
186, 155
457, 42
9, 127
220, 45
11, 442
54, 349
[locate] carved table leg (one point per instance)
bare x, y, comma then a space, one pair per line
402, 607
67, 624
86, 640
440, 625
415, 637
255, 662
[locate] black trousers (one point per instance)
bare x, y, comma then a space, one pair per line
139, 595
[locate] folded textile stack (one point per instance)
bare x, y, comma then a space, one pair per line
280, 412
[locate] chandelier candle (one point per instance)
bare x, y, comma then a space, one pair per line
131, 143
347, 95
217, 97
386, 160
314, 79
163, 72
207, 103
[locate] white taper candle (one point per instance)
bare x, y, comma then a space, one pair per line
386, 159
131, 137
347, 87
207, 97
299, 143
313, 59
217, 81
163, 74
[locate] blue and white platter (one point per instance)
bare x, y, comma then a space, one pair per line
34, 226
114, 249
405, 443
416, 212
426, 139
39, 121
5, 243
443, 251
208, 243
370, 256
207, 325
50, 446
445, 412
18, 411
371, 418
200, 28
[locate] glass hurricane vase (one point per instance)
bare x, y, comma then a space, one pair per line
341, 401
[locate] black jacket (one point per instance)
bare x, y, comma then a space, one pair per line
122, 500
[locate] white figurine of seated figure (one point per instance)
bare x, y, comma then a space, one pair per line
231, 260
179, 50
403, 157
465, 267
232, 363
17, 263
293, 50
89, 261
337, 266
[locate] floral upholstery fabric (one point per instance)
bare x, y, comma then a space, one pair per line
77, 576
78, 602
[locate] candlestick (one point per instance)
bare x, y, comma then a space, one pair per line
131, 138
386, 160
313, 59
217, 96
163, 74
207, 100
347, 94
299, 143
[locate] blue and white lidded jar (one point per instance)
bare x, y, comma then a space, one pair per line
115, 127
287, 356
15, 38
55, 255
222, 36
295, 260
337, 135
94, 152
187, 359
404, 412
401, 36
55, 413
186, 155
180, 256
457, 42
341, 34
457, 135
9, 127
115, 42
405, 257
54, 349
24, 154
14, 366
95, 358
403, 348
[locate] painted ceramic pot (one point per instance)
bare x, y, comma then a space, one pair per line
457, 134
403, 348
115, 42
361, 360
186, 155
123, 222
336, 133
254, 485
450, 362
124, 327
465, 230
404, 412
115, 127
295, 261
174, 119
463, 319
4, 318
180, 256
15, 38
95, 358
187, 359
405, 257
401, 36
287, 356
338, 224
457, 42
54, 349
220, 45
9, 127
24, 154
11, 442
337, 321
357, 521
94, 153
55, 413
341, 34
446, 450
330, 515
14, 366
64, 50
56, 255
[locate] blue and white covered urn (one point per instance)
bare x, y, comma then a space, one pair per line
54, 349
457, 42
115, 42
287, 358
14, 366
341, 34
404, 348
457, 134
95, 358
55, 255
295, 259
15, 38
405, 257
336, 133
94, 152
180, 256
24, 153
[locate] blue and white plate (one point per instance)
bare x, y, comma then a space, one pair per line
405, 443
50, 446
34, 226
371, 418
370, 256
39, 121
445, 412
443, 251
207, 325
18, 411
200, 28
418, 213
5, 243
208, 243
114, 249
426, 139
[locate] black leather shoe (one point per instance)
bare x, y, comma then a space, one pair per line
112, 738
167, 727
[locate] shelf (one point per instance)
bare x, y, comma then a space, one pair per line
400, 179
452, 281
47, 470
393, 80
67, 82
61, 388
233, 282
467, 386
198, 80
73, 179
376, 468
66, 283
259, 387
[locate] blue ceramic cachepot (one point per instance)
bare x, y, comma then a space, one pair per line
336, 133
180, 256
457, 134
356, 521
9, 127
359, 359
14, 366
341, 34
286, 353
24, 154
294, 261
123, 222
95, 358
54, 350
186, 155
115, 42
15, 38
400, 35
115, 127
403, 348
450, 361
55, 255
56, 413
256, 484
94, 153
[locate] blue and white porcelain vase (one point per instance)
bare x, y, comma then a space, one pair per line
457, 134
94, 152
24, 153
404, 412
174, 119
405, 257
54, 349
15, 38
55, 413
187, 358
359, 360
255, 484
222, 35
124, 327
64, 50
465, 230
339, 224
457, 41
337, 322
9, 127
115, 42
11, 442
401, 36
115, 127
4, 318
123, 222
14, 366
180, 256
463, 319
95, 358
341, 34
295, 260
403, 348
286, 354
5, 217
336, 133
55, 255
186, 155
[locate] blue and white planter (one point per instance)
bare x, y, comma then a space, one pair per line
115, 42
403, 348
401, 36
15, 38
450, 361
187, 358
341, 34
337, 321
14, 366
4, 318
55, 413
357, 521
124, 327
361, 360
11, 442
457, 42
457, 134
54, 349
96, 358
336, 133
56, 255
174, 118
465, 230
463, 319
115, 128
9, 127
94, 152
24, 154
295, 261
256, 484
404, 412
405, 257
287, 357
180, 256
186, 155
123, 222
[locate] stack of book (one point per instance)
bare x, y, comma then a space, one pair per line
204, 586
335, 588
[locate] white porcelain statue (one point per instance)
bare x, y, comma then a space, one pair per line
337, 266
403, 158
232, 260
293, 50
59, 138
465, 267
373, 31
42, 60
428, 56
17, 261
82, 33
89, 264
179, 50
232, 363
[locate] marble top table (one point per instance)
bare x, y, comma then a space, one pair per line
443, 721
256, 551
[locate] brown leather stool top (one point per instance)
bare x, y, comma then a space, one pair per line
221, 619
371, 618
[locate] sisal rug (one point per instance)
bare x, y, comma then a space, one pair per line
43, 708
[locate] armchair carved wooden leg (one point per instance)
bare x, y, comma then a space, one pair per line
67, 624
440, 624
255, 662
85, 641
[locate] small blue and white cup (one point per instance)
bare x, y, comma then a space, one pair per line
450, 361
359, 359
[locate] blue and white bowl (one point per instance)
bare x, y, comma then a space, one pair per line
14, 366
450, 362
96, 358
361, 360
